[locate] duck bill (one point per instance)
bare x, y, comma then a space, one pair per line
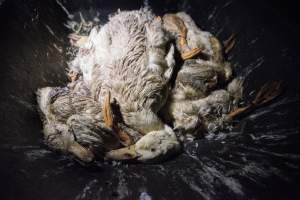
126, 153
80, 152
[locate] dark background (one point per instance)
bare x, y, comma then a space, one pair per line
259, 159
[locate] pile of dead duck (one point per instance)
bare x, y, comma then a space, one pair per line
129, 98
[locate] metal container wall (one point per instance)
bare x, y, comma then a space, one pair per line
259, 159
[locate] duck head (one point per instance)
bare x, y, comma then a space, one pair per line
155, 146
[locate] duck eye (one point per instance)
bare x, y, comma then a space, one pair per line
152, 150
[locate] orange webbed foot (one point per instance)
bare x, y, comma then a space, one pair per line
107, 112
229, 43
190, 53
266, 94
109, 121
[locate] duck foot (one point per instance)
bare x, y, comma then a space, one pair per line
176, 26
107, 112
110, 122
190, 53
229, 43
266, 94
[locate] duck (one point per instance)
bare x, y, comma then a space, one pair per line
73, 122
194, 97
206, 96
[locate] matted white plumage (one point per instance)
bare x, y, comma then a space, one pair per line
131, 59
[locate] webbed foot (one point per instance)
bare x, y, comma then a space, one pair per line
185, 50
266, 94
107, 112
229, 43
188, 54
110, 122
176, 26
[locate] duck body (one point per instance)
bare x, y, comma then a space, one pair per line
205, 114
131, 59
73, 122
196, 104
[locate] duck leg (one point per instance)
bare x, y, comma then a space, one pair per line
229, 44
175, 25
110, 122
267, 93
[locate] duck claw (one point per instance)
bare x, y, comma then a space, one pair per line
229, 43
267, 93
